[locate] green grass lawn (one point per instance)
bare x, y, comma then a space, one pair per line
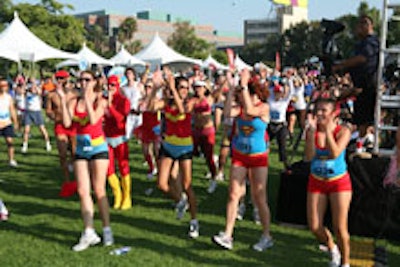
43, 227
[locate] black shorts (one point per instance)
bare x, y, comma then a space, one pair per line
101, 155
164, 153
7, 131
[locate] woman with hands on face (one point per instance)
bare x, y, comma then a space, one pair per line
329, 181
86, 114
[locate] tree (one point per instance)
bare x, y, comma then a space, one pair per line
96, 35
185, 41
55, 7
127, 30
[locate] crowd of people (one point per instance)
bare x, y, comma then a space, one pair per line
175, 117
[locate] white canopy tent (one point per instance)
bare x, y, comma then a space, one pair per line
240, 64
85, 58
18, 38
211, 62
124, 58
157, 52
9, 54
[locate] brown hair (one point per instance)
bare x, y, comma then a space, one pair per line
261, 90
97, 88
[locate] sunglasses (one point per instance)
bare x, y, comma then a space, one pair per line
148, 86
183, 87
60, 78
112, 84
85, 79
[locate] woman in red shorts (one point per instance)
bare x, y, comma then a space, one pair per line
249, 159
329, 181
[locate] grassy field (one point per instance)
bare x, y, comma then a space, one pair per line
43, 227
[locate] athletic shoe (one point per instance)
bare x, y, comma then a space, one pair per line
223, 241
335, 257
3, 212
211, 188
256, 216
68, 189
181, 208
194, 229
263, 244
241, 211
220, 177
13, 163
108, 238
154, 172
208, 175
24, 148
87, 240
48, 146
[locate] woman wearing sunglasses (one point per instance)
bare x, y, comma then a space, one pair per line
85, 114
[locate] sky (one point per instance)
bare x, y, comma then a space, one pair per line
224, 15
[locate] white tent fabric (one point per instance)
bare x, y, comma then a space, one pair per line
87, 57
240, 64
9, 54
158, 52
124, 58
17, 37
213, 63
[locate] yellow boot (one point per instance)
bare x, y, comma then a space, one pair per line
114, 183
126, 192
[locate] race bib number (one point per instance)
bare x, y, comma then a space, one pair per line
274, 115
84, 141
323, 168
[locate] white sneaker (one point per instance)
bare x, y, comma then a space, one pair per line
13, 163
24, 148
194, 229
211, 188
48, 146
335, 257
241, 211
220, 177
181, 207
263, 244
108, 238
154, 172
208, 175
3, 211
223, 241
87, 240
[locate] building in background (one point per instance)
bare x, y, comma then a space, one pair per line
258, 30
149, 22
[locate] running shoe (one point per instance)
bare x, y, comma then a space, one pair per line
108, 238
223, 241
220, 177
263, 244
3, 211
87, 240
13, 164
194, 229
211, 188
208, 175
181, 208
241, 211
335, 257
24, 148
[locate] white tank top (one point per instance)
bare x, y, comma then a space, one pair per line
33, 102
298, 93
133, 94
5, 116
278, 109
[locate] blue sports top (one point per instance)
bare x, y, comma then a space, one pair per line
325, 168
250, 136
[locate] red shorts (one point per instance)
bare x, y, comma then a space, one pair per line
59, 129
326, 187
146, 134
249, 161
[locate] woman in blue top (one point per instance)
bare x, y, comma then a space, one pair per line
249, 159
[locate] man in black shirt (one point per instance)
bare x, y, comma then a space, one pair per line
363, 68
